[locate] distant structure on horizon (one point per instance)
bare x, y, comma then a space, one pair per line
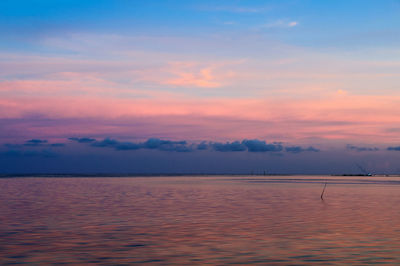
365, 172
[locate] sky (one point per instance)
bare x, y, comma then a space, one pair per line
295, 87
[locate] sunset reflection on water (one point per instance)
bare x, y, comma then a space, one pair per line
198, 220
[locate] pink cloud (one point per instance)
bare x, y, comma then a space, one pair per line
279, 92
189, 74
340, 117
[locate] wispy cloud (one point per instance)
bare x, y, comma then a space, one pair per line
195, 88
330, 118
187, 74
280, 23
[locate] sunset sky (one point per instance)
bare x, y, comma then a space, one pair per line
295, 86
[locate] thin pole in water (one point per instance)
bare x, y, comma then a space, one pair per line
322, 194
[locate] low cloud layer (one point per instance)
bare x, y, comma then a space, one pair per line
360, 149
156, 155
152, 144
35, 142
228, 146
256, 145
253, 145
298, 149
42, 147
83, 140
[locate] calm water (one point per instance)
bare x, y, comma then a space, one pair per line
200, 220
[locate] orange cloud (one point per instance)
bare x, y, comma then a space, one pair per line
189, 74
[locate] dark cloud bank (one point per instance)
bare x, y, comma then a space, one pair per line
183, 146
360, 149
246, 145
43, 148
154, 155
32, 148
41, 143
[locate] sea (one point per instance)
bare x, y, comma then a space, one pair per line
200, 220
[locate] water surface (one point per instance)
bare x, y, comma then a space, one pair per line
200, 220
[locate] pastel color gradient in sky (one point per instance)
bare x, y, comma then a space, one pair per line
313, 84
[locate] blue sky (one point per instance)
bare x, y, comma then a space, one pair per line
320, 23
